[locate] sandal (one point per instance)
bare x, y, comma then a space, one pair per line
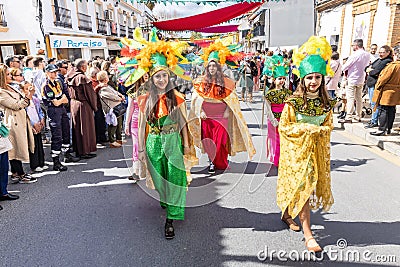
291, 223
314, 249
169, 229
134, 177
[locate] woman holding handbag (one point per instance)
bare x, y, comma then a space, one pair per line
5, 146
110, 98
13, 104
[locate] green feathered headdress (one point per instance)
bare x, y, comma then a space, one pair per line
275, 66
313, 57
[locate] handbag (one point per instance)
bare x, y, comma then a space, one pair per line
5, 144
118, 110
4, 131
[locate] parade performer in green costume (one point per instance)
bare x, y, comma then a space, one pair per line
165, 143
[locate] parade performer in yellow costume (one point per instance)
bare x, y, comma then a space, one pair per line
304, 178
215, 117
165, 143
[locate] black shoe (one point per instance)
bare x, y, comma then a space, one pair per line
169, 229
211, 169
58, 166
88, 156
1, 207
70, 158
8, 197
370, 125
378, 133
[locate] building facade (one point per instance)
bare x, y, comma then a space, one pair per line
69, 29
373, 21
283, 24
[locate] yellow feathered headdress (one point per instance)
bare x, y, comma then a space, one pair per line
222, 54
313, 56
155, 55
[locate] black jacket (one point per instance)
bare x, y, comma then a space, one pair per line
378, 65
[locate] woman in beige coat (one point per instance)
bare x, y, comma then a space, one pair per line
387, 94
13, 104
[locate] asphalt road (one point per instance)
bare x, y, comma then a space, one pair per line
92, 215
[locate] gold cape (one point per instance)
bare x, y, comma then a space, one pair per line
304, 164
189, 160
239, 136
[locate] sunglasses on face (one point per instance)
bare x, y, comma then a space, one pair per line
17, 61
18, 75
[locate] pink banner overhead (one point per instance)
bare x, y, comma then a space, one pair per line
219, 29
206, 19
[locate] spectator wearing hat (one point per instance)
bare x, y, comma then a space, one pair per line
54, 99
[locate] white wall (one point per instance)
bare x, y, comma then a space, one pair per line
381, 24
292, 22
330, 23
21, 23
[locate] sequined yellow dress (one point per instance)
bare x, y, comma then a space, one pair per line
304, 164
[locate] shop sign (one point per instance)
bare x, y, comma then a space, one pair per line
76, 42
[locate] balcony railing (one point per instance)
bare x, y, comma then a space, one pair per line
122, 30
85, 22
3, 21
130, 32
113, 28
259, 31
101, 26
63, 17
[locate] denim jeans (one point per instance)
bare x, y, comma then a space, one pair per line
374, 117
3, 173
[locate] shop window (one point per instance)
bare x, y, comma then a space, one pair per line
69, 53
12, 49
97, 53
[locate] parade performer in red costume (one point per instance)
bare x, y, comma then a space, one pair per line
215, 118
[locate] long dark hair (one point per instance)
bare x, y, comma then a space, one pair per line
301, 91
152, 102
218, 81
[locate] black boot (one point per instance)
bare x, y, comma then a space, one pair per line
68, 157
169, 229
57, 165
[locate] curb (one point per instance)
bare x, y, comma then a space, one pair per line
390, 143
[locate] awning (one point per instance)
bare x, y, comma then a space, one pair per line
206, 19
219, 29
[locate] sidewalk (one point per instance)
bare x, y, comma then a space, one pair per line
390, 143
